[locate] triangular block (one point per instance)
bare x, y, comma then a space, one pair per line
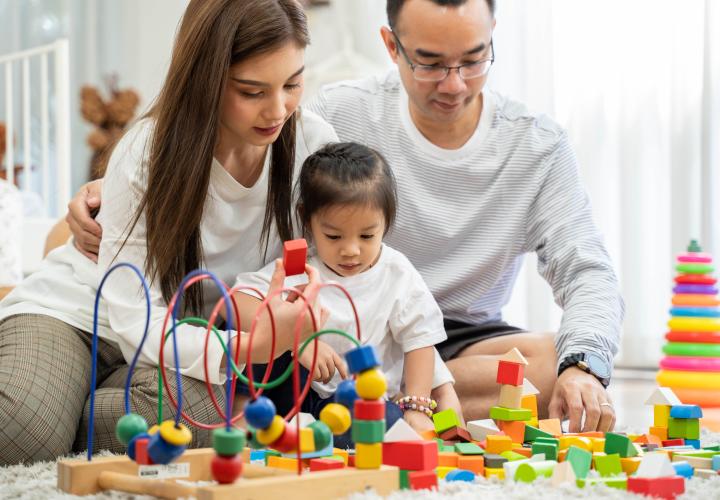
401, 431
663, 396
514, 356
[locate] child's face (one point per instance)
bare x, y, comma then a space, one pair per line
348, 238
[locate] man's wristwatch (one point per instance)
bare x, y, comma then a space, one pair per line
590, 363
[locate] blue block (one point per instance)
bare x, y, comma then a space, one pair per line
460, 475
161, 452
258, 455
696, 312
684, 469
361, 359
686, 411
325, 452
716, 462
346, 394
260, 413
695, 443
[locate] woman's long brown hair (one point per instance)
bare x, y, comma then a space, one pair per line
213, 35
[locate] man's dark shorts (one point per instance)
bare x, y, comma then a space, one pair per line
462, 335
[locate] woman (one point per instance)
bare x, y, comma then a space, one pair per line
204, 180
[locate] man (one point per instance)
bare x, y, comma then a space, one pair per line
482, 182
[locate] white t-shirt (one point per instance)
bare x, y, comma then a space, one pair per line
11, 213
397, 314
66, 284
467, 216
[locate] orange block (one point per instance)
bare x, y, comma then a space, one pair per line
551, 425
526, 452
529, 402
498, 444
474, 463
653, 439
514, 429
642, 439
630, 465
448, 459
660, 432
428, 434
562, 454
592, 434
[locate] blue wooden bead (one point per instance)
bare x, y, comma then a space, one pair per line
361, 359
260, 413
460, 475
346, 393
162, 452
686, 411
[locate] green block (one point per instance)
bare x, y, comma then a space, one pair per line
613, 482
529, 471
512, 456
715, 447
368, 431
468, 449
548, 440
446, 447
704, 453
446, 419
440, 443
510, 414
620, 444
608, 465
550, 450
533, 433
580, 459
404, 479
687, 428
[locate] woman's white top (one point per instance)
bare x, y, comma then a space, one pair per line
397, 314
232, 220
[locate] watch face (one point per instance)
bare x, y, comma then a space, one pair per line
597, 365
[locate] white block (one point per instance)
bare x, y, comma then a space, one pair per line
305, 419
563, 473
401, 431
479, 429
663, 396
655, 465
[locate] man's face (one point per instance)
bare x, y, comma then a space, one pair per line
435, 35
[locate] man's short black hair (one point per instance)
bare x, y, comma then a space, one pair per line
394, 6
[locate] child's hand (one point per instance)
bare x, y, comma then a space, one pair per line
327, 362
419, 421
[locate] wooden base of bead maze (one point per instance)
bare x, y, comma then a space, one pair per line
80, 477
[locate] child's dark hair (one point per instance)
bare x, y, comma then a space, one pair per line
346, 173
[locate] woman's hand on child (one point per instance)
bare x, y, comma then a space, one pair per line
328, 361
80, 218
419, 421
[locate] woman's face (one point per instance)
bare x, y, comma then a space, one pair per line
261, 94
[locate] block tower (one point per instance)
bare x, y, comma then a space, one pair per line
691, 366
510, 413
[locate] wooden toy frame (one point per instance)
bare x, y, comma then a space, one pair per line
80, 477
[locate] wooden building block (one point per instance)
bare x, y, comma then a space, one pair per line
686, 411
368, 431
510, 396
422, 480
498, 444
468, 449
529, 402
510, 373
620, 444
661, 414
498, 413
480, 429
663, 487
550, 450
448, 458
442, 471
499, 473
608, 465
285, 463
456, 434
446, 419
317, 464
294, 256
630, 464
660, 432
368, 456
532, 433
514, 429
307, 440
551, 426
411, 455
580, 459
474, 463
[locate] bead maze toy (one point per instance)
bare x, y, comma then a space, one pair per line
157, 455
691, 366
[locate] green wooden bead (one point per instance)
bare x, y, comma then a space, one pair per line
228, 442
368, 431
129, 426
322, 434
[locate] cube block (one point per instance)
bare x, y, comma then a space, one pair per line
510, 396
550, 450
474, 463
663, 487
514, 429
510, 373
368, 456
422, 480
529, 402
294, 256
608, 465
620, 444
498, 443
446, 419
411, 455
362, 358
369, 409
368, 431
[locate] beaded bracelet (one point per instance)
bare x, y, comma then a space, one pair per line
417, 403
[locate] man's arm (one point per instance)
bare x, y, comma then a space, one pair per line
573, 260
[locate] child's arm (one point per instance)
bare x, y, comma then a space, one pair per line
419, 366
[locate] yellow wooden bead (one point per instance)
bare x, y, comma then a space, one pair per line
175, 435
272, 433
337, 417
152, 430
371, 384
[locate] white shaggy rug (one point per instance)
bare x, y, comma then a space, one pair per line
38, 481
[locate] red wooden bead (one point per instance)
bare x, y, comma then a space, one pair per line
226, 470
287, 442
294, 256
369, 410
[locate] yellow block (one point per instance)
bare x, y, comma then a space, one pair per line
490, 472
662, 414
368, 456
660, 432
443, 470
498, 444
584, 443
533, 421
630, 464
342, 453
307, 440
598, 444
286, 463
529, 402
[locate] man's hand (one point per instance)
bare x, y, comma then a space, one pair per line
576, 392
81, 210
418, 421
327, 362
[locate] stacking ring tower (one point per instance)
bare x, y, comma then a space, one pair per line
691, 366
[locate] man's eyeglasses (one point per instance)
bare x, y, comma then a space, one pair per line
437, 73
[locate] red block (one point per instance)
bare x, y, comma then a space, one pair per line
369, 410
317, 464
422, 479
662, 487
456, 434
141, 454
351, 460
294, 256
411, 455
510, 373
674, 442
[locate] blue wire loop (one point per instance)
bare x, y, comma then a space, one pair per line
93, 376
229, 327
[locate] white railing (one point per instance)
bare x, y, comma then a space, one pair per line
59, 52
